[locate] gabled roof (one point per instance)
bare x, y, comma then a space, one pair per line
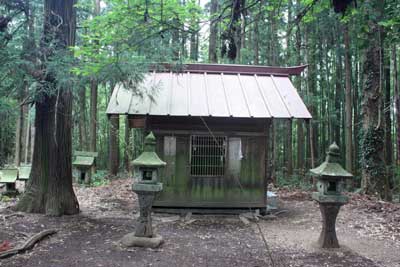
214, 90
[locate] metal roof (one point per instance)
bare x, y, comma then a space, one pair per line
218, 94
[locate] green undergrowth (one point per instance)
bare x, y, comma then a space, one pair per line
5, 198
100, 178
396, 182
294, 181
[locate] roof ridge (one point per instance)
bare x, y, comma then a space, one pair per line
229, 69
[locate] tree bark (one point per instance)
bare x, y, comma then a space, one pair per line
82, 119
18, 135
289, 149
93, 102
256, 42
372, 143
300, 128
388, 120
128, 150
212, 44
397, 100
336, 125
114, 144
348, 104
49, 189
28, 136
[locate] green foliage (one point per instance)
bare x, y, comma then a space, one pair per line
372, 143
7, 134
133, 32
5, 198
396, 180
293, 181
99, 178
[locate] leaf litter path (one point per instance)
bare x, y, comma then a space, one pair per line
89, 239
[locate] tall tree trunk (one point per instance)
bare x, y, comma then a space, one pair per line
338, 92
256, 41
49, 189
19, 134
28, 138
82, 119
274, 151
397, 101
212, 44
356, 114
128, 150
311, 84
300, 128
114, 145
289, 149
372, 143
93, 102
388, 119
348, 104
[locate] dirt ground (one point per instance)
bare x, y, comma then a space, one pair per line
368, 231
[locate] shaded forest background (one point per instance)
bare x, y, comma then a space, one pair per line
350, 86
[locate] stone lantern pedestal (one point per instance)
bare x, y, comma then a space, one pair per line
331, 177
329, 212
146, 197
146, 168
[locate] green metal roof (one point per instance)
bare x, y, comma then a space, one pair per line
8, 176
240, 91
83, 161
86, 153
24, 172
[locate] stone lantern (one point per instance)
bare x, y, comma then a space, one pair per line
146, 170
331, 181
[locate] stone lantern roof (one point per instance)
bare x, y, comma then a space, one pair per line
149, 157
331, 168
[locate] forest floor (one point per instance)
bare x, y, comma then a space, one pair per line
368, 231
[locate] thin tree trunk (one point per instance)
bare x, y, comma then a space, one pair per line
256, 41
93, 103
397, 100
356, 115
93, 117
312, 148
289, 149
18, 135
114, 145
348, 105
212, 44
388, 120
300, 129
128, 149
82, 119
274, 155
338, 89
28, 138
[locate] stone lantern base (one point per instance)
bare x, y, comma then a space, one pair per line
329, 212
130, 240
144, 235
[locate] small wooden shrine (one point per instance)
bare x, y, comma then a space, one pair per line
212, 125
